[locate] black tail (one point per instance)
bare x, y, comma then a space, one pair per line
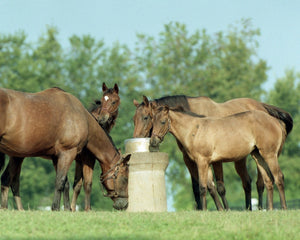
2, 161
281, 115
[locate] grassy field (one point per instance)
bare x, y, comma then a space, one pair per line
173, 225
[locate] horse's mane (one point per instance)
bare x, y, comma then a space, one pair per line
58, 88
94, 105
174, 101
181, 110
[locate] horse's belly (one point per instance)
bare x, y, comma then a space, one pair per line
233, 152
25, 148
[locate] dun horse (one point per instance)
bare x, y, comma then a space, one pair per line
105, 111
206, 106
209, 140
54, 124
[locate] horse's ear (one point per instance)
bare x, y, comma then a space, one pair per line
126, 158
116, 88
136, 103
104, 87
166, 108
153, 105
146, 101
98, 102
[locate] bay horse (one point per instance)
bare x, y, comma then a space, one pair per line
53, 124
210, 139
85, 161
208, 107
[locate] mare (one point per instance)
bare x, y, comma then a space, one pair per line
210, 139
85, 161
53, 124
206, 106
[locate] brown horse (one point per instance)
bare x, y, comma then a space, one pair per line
85, 161
206, 106
209, 140
55, 125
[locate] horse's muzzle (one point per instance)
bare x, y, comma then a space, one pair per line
120, 204
155, 141
103, 119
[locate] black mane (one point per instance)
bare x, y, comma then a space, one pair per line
174, 101
181, 110
96, 104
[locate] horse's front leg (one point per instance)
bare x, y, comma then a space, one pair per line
62, 166
88, 168
212, 190
78, 180
66, 195
192, 167
218, 170
202, 165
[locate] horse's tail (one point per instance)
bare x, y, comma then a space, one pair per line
281, 115
2, 161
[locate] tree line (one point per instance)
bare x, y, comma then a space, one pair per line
222, 66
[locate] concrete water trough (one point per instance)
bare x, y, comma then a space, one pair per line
146, 182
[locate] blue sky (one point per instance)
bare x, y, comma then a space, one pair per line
120, 20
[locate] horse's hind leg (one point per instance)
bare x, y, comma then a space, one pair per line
272, 162
280, 185
266, 175
78, 179
260, 186
241, 169
218, 170
5, 183
11, 178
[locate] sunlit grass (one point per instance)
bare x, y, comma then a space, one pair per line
176, 225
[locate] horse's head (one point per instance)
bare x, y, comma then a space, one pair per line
142, 118
161, 124
110, 102
115, 181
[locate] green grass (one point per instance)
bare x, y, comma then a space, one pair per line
174, 225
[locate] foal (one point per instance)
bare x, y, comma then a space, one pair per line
209, 140
105, 112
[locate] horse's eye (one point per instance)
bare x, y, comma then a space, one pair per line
163, 122
113, 103
146, 118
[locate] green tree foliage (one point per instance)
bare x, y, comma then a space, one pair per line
222, 66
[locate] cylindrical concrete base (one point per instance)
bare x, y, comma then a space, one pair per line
146, 182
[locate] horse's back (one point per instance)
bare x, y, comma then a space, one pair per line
34, 122
208, 107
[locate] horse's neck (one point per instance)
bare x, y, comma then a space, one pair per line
178, 125
101, 145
